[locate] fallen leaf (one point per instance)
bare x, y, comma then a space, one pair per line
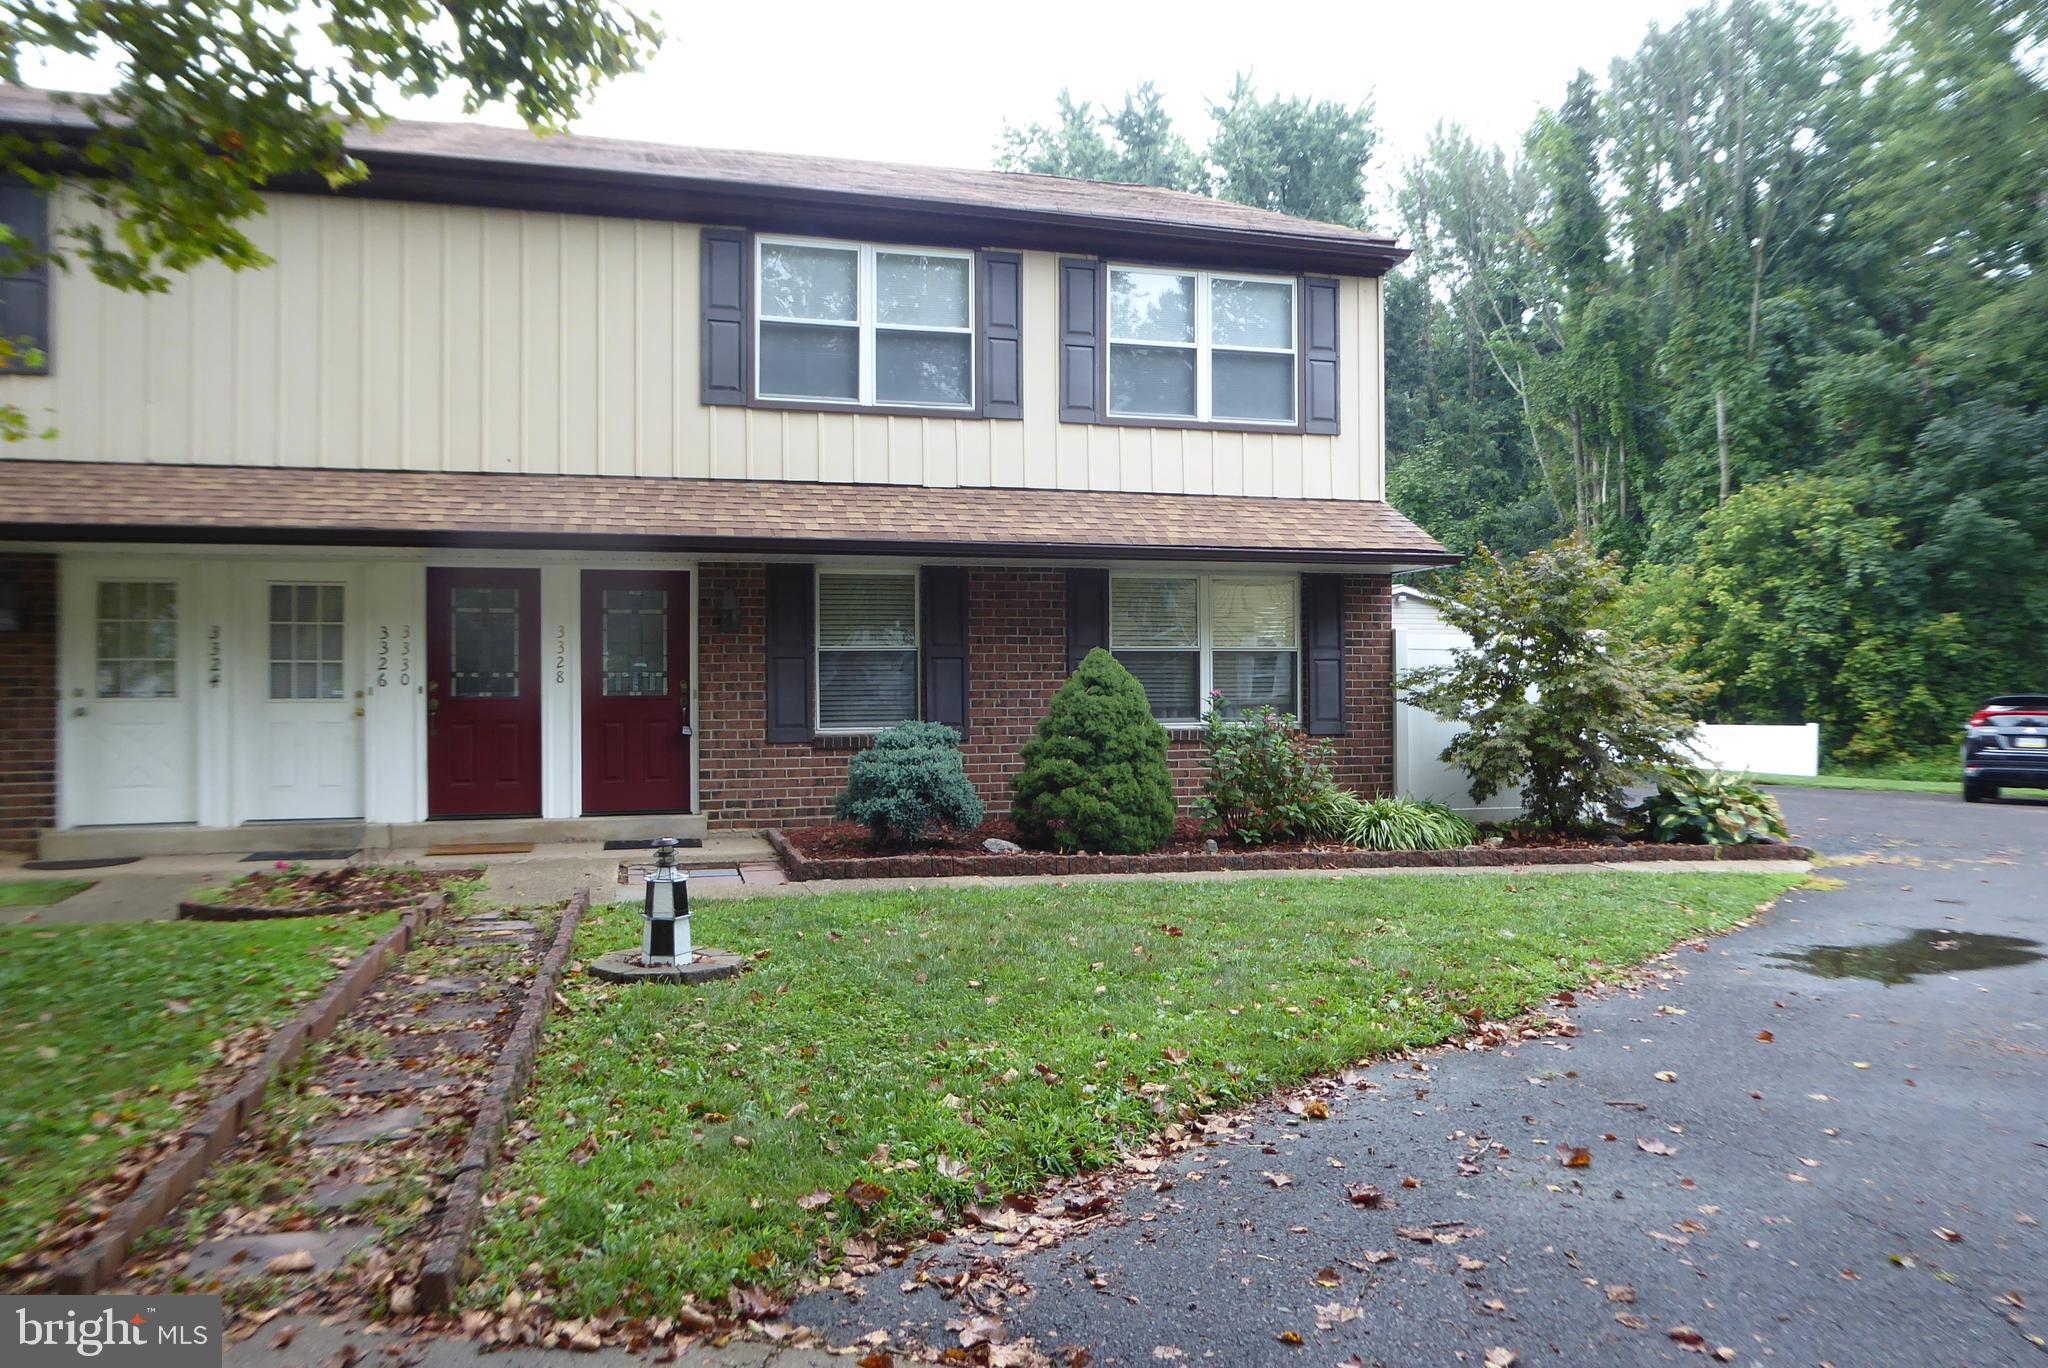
811, 1201
1327, 1277
1288, 1337
864, 1194
1470, 1264
1666, 1076
1278, 1180
1379, 1256
876, 1360
1317, 1110
1632, 1322
1943, 1232
1687, 1336
1574, 1156
1334, 1314
298, 1261
1765, 1036
1165, 1351
1621, 1294
1498, 1357
1654, 1147
1364, 1194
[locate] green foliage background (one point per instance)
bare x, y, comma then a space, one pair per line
1762, 312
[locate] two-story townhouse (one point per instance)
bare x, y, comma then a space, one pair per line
601, 488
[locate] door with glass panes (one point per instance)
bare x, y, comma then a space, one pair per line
483, 693
302, 717
130, 685
636, 691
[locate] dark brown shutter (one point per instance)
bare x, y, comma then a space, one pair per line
726, 270
1087, 614
943, 639
1319, 354
1322, 655
790, 644
1002, 335
25, 287
1081, 340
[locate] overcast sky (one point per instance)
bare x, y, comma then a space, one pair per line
935, 82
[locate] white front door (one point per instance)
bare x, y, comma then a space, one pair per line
300, 723
130, 694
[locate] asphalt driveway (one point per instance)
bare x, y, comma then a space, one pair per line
1856, 1111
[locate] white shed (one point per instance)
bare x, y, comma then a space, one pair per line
1422, 637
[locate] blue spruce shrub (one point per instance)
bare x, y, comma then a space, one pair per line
908, 784
1095, 776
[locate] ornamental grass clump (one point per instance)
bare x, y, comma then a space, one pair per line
1095, 776
910, 784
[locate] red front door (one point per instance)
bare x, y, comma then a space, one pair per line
483, 693
636, 691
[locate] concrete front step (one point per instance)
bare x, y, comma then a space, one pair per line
396, 839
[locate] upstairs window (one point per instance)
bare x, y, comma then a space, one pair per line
1184, 635
1203, 346
867, 651
869, 326
24, 278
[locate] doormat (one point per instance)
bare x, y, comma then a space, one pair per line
273, 856
81, 864
483, 848
686, 843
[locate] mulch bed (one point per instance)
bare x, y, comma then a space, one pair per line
841, 851
297, 892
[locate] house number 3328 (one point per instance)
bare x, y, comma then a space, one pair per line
561, 654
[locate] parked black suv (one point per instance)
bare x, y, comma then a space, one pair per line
2006, 746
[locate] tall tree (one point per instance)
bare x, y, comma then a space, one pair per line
1134, 145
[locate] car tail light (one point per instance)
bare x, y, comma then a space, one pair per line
1980, 718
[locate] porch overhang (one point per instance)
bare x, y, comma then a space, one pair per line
79, 501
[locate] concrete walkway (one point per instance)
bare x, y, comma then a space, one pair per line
150, 888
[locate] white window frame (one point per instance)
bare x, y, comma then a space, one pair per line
818, 648
1204, 647
1204, 347
866, 325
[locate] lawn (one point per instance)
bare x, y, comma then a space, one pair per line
1953, 787
39, 892
1000, 1037
103, 1027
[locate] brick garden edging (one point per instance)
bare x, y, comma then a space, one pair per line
174, 1177
804, 868
449, 1264
225, 912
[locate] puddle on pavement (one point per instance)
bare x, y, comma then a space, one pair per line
1913, 955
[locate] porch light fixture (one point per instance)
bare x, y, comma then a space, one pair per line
13, 603
726, 618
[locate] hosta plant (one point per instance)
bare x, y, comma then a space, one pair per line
1709, 807
1406, 824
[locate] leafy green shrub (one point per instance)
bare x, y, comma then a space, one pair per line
1406, 824
1095, 776
1555, 695
1264, 777
1708, 807
908, 783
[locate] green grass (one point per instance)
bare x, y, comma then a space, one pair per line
101, 1027
1862, 781
40, 892
1027, 1033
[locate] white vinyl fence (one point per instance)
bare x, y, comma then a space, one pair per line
1760, 750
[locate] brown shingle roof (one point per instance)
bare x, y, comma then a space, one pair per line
477, 163
99, 501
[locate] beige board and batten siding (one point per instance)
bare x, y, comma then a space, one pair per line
427, 337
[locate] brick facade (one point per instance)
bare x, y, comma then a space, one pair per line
28, 706
1016, 659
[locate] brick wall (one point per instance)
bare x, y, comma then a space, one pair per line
1017, 657
28, 706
